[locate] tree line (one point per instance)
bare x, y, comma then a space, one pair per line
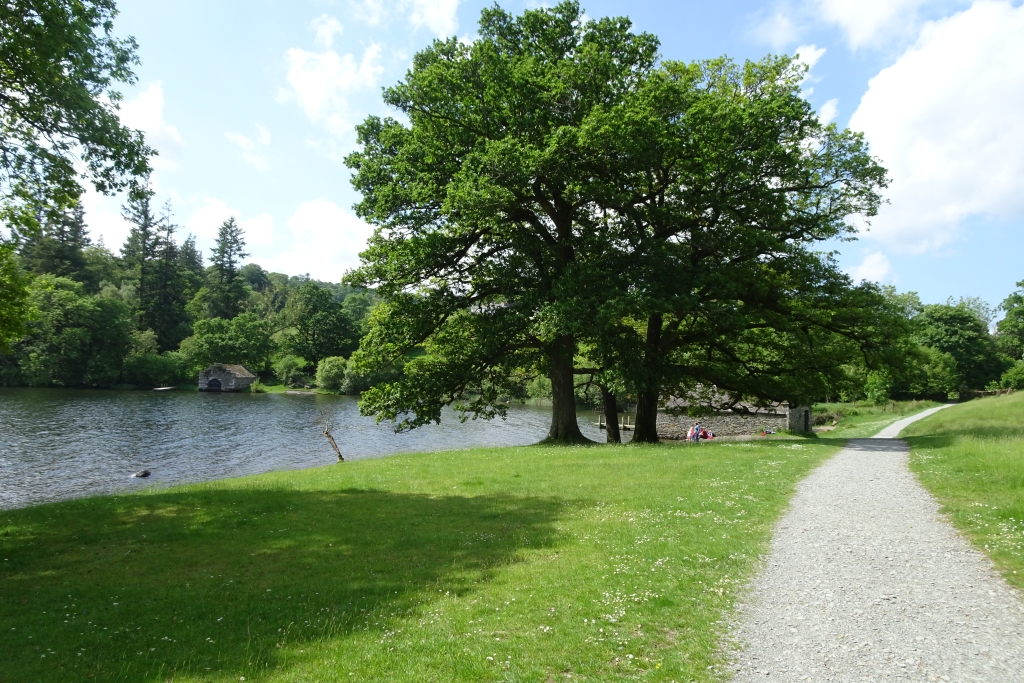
158, 312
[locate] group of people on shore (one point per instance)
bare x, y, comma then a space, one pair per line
696, 433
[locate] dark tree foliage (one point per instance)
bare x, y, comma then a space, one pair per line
59, 247
1010, 330
74, 339
162, 274
244, 339
958, 331
481, 209
227, 290
322, 328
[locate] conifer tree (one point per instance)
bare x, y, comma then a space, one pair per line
227, 289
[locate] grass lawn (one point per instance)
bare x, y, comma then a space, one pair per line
971, 457
513, 564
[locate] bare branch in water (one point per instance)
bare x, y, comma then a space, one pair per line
326, 424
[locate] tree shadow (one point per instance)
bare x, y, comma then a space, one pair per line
183, 583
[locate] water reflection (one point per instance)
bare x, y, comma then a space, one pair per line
57, 444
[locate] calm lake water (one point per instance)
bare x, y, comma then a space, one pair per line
57, 444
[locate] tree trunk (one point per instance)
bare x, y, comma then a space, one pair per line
564, 427
611, 415
646, 429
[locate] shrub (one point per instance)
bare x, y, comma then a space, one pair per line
288, 369
878, 387
155, 370
257, 387
330, 373
358, 381
1014, 377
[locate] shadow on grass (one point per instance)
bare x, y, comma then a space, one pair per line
235, 581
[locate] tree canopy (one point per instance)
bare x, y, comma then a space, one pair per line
560, 203
59, 65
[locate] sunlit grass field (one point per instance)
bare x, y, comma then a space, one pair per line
602, 563
971, 457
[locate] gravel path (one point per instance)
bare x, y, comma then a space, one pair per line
867, 582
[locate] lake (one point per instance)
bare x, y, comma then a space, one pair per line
57, 444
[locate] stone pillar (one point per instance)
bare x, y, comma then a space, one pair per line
799, 419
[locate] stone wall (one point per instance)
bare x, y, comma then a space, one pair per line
722, 424
735, 424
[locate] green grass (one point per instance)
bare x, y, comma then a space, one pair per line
861, 420
516, 564
971, 457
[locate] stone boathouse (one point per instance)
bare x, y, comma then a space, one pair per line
740, 419
222, 377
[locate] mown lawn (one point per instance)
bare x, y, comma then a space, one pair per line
971, 457
516, 564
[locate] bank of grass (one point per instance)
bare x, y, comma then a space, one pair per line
862, 419
971, 457
535, 563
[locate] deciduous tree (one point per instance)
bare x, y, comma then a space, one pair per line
481, 210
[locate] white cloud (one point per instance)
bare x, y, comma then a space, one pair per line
945, 119
103, 218
210, 212
326, 27
875, 267
869, 22
146, 113
437, 15
829, 110
809, 55
259, 230
326, 241
777, 30
371, 12
251, 147
322, 81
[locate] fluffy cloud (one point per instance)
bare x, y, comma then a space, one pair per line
438, 16
321, 82
875, 267
251, 147
146, 113
777, 30
326, 27
829, 110
809, 55
103, 218
210, 212
326, 241
945, 120
869, 22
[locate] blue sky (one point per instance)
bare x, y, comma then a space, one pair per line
252, 105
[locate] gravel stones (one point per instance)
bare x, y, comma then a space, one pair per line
867, 582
